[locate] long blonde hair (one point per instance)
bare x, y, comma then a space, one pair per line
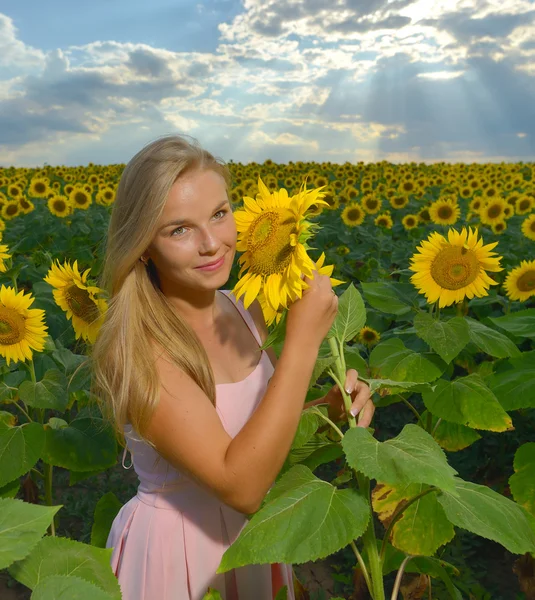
139, 316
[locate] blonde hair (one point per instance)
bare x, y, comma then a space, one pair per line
139, 316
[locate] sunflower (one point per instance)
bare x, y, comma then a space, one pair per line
39, 187
398, 201
475, 204
26, 206
524, 204
444, 211
410, 221
3, 256
368, 336
80, 198
371, 204
528, 227
105, 196
499, 227
77, 299
60, 206
520, 282
10, 210
353, 215
21, 328
493, 211
384, 220
273, 232
423, 215
448, 270
271, 315
342, 250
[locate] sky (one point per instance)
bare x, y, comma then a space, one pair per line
311, 80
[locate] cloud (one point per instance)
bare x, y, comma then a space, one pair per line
13, 52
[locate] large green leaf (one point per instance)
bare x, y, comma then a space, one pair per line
20, 448
446, 338
22, 525
423, 528
309, 423
411, 457
7, 420
50, 392
9, 385
68, 587
383, 296
86, 444
467, 401
10, 490
521, 323
321, 365
394, 361
105, 512
451, 436
512, 384
491, 341
351, 315
61, 556
354, 360
304, 519
484, 512
522, 482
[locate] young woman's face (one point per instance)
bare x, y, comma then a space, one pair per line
197, 227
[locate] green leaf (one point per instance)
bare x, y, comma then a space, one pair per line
281, 531
282, 594
467, 401
422, 528
22, 525
411, 457
86, 444
277, 334
452, 436
513, 384
68, 587
351, 315
382, 295
522, 482
484, 512
50, 392
394, 361
7, 420
521, 323
212, 594
308, 425
394, 386
105, 511
354, 360
10, 490
77, 476
446, 338
61, 556
322, 364
20, 448
491, 341
9, 385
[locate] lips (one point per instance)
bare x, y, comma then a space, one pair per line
215, 262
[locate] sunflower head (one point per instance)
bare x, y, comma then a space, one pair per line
368, 336
450, 270
520, 282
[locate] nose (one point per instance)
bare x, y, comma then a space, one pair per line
209, 242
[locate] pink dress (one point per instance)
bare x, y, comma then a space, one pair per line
169, 538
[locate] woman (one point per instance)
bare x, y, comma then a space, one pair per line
208, 418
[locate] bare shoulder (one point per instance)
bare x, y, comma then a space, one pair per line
258, 317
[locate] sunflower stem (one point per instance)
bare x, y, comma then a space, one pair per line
368, 537
23, 411
48, 469
14, 280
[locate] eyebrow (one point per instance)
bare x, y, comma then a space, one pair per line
179, 222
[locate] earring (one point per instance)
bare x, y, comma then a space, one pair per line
144, 261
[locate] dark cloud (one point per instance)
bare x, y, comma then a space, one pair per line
147, 64
352, 25
467, 29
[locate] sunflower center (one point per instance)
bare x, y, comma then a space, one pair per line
59, 205
80, 198
268, 242
494, 211
455, 267
40, 187
353, 214
526, 282
81, 304
12, 327
524, 205
12, 209
445, 212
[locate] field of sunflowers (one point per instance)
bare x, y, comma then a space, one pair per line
440, 262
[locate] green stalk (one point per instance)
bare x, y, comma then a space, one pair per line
368, 537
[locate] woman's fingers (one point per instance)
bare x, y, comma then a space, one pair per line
366, 414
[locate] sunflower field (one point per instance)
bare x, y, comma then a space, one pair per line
435, 270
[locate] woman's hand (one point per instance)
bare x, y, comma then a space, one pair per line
360, 397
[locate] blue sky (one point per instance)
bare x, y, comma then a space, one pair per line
369, 80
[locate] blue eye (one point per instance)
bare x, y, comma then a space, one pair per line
223, 211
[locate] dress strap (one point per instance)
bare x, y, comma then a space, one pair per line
124, 458
246, 315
